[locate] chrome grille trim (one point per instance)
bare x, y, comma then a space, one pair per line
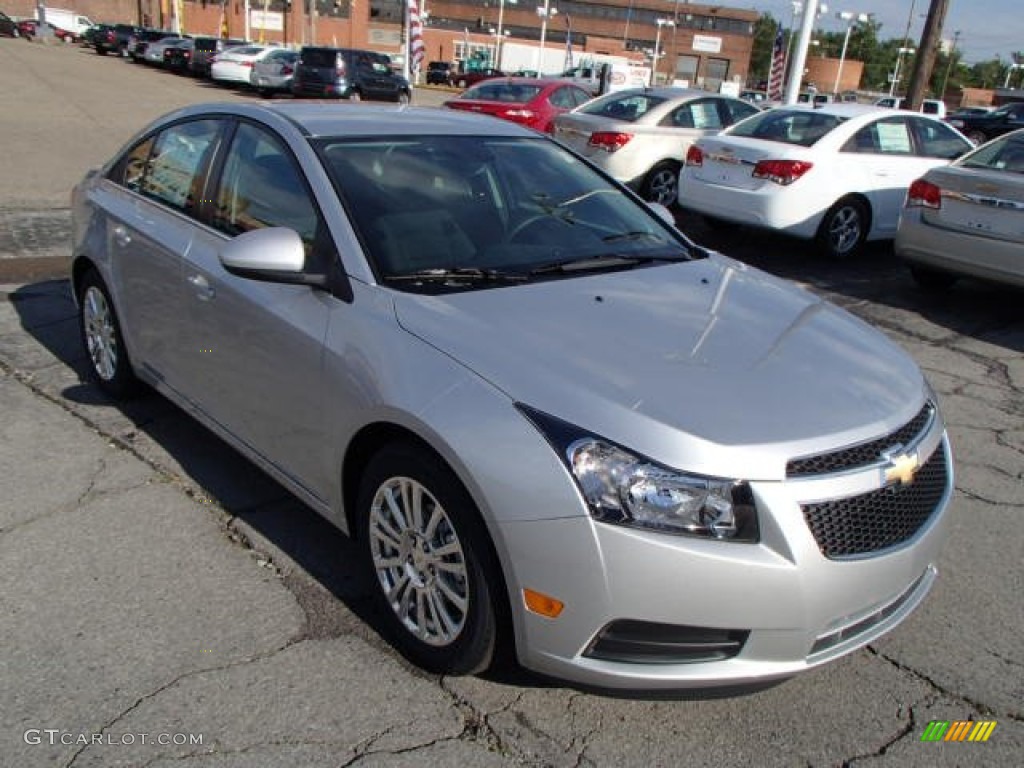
864, 454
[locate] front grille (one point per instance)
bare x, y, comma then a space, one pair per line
861, 455
880, 519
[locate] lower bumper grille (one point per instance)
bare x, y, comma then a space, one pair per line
874, 521
644, 642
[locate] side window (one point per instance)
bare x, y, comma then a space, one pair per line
701, 114
937, 139
176, 172
261, 186
890, 136
562, 98
580, 96
132, 167
738, 110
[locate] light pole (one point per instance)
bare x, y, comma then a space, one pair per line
499, 42
545, 13
896, 72
949, 64
851, 19
657, 48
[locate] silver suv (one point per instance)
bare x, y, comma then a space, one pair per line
552, 422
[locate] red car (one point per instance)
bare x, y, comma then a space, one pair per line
27, 28
474, 76
524, 100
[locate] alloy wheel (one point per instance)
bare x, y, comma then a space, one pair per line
100, 334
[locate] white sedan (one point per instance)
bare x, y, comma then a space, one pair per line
836, 174
234, 66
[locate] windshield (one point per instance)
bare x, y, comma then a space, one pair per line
492, 206
801, 127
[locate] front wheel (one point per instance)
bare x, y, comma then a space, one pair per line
103, 340
404, 98
661, 185
355, 96
430, 559
844, 229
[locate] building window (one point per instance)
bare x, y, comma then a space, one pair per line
686, 68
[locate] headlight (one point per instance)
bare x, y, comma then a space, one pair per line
625, 489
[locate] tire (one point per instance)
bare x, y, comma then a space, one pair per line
355, 96
444, 619
843, 229
661, 184
404, 98
461, 83
102, 339
977, 137
932, 280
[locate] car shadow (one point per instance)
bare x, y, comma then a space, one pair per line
161, 434
973, 308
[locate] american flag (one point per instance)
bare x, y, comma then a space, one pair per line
775, 75
416, 46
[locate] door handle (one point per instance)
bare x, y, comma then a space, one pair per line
121, 236
204, 291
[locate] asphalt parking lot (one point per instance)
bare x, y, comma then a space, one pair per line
165, 603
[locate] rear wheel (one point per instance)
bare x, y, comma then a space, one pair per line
404, 97
661, 185
355, 95
428, 554
844, 228
461, 83
103, 340
977, 137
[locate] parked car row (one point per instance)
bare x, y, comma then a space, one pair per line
315, 71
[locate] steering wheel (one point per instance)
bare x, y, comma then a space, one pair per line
525, 224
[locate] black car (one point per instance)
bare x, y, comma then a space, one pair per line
7, 26
204, 51
348, 73
114, 37
981, 128
177, 58
439, 73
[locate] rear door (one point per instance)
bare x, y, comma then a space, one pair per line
156, 191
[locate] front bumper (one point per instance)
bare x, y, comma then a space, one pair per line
792, 607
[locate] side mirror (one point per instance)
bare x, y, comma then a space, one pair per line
272, 254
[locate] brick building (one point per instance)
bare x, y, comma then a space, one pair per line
701, 44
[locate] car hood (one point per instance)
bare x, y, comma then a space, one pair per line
708, 365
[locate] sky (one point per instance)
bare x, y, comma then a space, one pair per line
988, 28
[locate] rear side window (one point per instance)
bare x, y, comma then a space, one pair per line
936, 139
701, 114
501, 91
176, 172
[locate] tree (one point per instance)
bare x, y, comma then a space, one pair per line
765, 30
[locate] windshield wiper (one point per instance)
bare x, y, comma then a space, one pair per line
459, 273
635, 235
602, 261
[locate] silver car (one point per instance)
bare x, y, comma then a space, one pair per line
968, 218
552, 422
274, 72
640, 136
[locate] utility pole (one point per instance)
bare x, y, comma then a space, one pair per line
925, 61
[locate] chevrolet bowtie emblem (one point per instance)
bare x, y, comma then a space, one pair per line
900, 467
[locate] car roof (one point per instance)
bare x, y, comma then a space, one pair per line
361, 120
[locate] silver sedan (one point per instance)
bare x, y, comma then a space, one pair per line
968, 218
640, 136
553, 423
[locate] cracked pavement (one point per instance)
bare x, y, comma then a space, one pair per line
157, 583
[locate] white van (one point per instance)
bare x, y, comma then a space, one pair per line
69, 21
